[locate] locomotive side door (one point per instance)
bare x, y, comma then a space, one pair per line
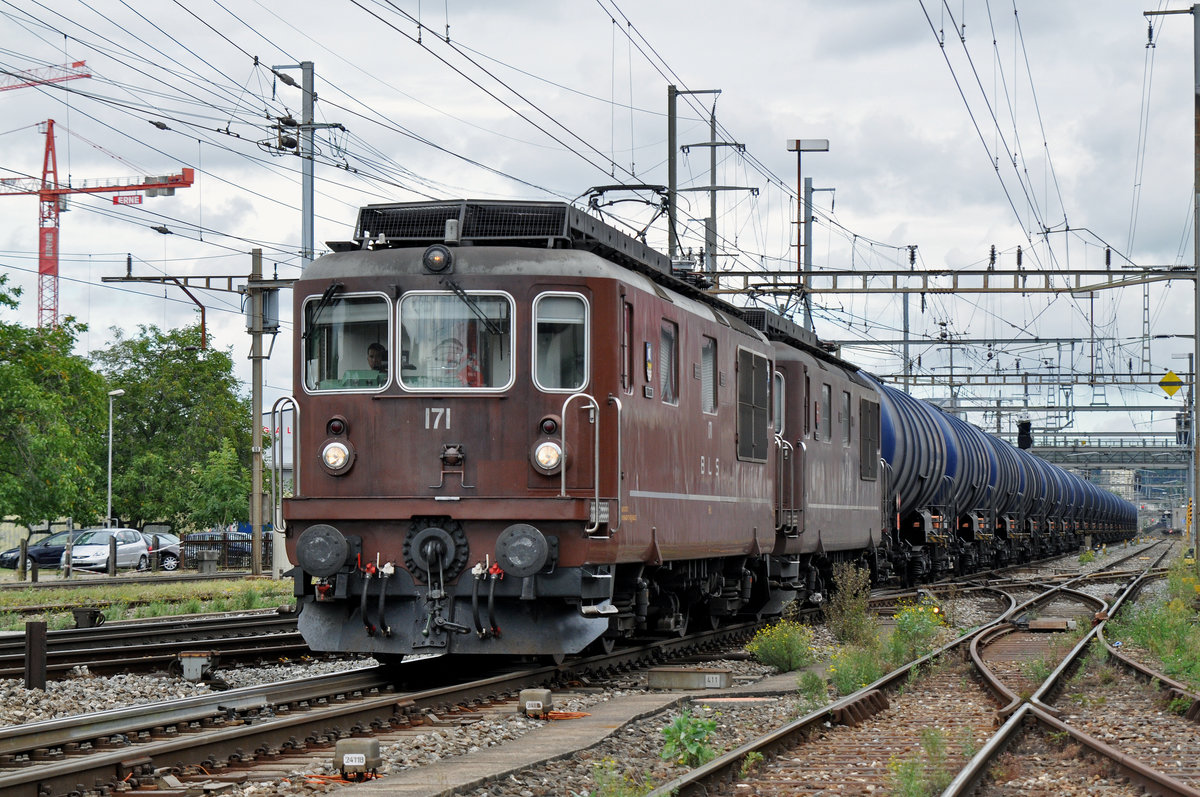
789, 401
563, 368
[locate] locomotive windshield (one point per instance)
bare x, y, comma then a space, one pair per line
346, 343
449, 340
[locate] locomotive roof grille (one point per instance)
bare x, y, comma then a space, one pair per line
498, 223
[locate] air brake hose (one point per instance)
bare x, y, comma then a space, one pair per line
479, 574
363, 606
492, 606
384, 628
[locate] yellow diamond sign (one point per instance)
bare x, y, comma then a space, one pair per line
1170, 383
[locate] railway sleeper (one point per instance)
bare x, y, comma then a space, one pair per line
866, 706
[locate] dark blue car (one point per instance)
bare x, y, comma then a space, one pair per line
47, 552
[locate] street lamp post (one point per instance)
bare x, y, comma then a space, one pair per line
804, 217
112, 394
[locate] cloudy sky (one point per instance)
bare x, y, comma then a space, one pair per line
953, 128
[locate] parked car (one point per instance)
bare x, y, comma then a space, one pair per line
168, 549
90, 549
47, 552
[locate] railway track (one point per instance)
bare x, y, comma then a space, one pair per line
93, 579
318, 720
144, 645
254, 726
1002, 673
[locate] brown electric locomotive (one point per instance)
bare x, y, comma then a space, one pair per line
521, 432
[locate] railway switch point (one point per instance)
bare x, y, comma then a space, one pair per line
536, 703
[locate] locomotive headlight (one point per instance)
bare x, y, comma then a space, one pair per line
548, 455
335, 455
437, 259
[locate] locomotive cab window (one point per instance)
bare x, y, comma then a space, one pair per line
456, 341
668, 362
346, 343
560, 342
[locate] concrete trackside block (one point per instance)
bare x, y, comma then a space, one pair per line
688, 678
535, 702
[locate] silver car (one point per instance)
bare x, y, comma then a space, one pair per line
90, 551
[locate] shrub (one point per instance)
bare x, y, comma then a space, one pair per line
917, 626
1087, 557
853, 668
687, 740
786, 646
847, 610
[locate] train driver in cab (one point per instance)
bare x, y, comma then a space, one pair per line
377, 360
455, 365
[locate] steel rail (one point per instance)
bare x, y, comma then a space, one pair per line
863, 702
969, 778
275, 715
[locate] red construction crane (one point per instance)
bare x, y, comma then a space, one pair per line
43, 75
52, 198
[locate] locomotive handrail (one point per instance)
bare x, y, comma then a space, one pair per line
277, 410
593, 405
620, 460
785, 456
802, 504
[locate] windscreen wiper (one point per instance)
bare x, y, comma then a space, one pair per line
492, 327
326, 300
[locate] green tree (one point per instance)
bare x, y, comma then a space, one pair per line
222, 489
52, 423
180, 404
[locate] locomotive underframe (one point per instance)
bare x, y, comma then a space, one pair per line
557, 612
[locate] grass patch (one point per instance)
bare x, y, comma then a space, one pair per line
852, 668
1167, 628
924, 773
612, 781
132, 601
813, 689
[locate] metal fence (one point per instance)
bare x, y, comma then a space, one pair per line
232, 551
